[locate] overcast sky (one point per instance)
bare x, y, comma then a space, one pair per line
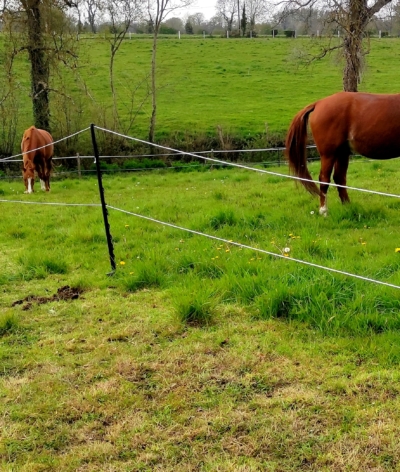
207, 7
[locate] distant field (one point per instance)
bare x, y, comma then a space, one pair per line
239, 85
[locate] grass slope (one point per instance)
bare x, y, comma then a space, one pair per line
239, 85
197, 355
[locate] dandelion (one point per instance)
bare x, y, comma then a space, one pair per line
122, 263
311, 212
227, 250
286, 250
286, 255
363, 243
126, 226
397, 249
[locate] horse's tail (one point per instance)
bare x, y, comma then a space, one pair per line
296, 149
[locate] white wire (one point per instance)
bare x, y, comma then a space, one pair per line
311, 264
52, 203
241, 166
46, 145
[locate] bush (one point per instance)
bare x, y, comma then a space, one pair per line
143, 164
290, 33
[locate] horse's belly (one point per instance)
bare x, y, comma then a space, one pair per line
376, 150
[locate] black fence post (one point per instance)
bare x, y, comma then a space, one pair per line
103, 202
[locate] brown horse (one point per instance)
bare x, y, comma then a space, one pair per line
37, 159
341, 124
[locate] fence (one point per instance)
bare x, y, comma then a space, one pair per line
105, 207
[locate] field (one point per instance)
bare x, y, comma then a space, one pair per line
241, 86
197, 355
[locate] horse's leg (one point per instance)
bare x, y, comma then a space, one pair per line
42, 173
47, 172
339, 176
327, 163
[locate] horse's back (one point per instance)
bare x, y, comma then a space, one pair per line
34, 138
368, 124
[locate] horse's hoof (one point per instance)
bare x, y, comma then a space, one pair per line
323, 211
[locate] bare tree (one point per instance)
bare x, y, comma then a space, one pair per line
256, 10
227, 9
121, 14
157, 11
352, 18
32, 24
93, 7
197, 19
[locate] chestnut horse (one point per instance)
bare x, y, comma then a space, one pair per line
341, 124
37, 159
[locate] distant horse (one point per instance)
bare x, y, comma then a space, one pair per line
341, 124
39, 160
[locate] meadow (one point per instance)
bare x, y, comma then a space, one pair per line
246, 91
197, 354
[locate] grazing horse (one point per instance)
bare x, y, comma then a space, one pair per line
341, 124
37, 159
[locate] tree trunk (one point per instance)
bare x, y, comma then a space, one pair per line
153, 89
39, 67
354, 62
353, 45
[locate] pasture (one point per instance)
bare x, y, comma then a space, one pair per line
239, 85
198, 355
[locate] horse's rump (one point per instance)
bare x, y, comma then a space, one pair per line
346, 122
37, 151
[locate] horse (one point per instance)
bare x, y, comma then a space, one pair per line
344, 123
37, 159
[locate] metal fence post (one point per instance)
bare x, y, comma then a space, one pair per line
103, 202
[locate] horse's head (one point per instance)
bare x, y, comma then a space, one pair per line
28, 174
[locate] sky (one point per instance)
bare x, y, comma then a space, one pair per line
207, 7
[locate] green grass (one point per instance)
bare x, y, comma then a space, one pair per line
240, 85
197, 354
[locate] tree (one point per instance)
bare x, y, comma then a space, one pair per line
157, 11
197, 19
243, 21
175, 23
189, 27
352, 17
121, 14
227, 9
256, 10
31, 26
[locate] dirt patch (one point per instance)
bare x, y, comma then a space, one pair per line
63, 293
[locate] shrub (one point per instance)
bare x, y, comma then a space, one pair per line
290, 33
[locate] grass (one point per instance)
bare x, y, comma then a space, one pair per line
196, 354
251, 89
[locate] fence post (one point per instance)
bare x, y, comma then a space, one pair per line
79, 165
103, 202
